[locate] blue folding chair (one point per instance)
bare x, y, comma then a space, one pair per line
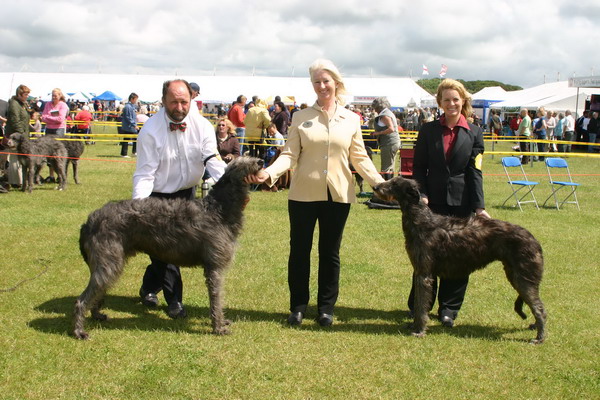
521, 188
569, 186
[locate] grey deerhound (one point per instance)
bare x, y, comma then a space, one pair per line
182, 232
75, 147
454, 247
34, 154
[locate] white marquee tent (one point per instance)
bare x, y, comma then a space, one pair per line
555, 96
214, 89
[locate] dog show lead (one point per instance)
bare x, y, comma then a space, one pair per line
322, 139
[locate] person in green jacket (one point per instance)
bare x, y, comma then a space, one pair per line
17, 120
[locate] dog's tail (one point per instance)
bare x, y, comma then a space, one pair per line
519, 307
83, 237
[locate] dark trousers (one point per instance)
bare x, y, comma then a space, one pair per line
524, 146
451, 292
163, 276
125, 143
332, 220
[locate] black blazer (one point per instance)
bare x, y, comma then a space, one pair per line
458, 182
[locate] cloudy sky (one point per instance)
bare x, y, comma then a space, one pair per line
519, 42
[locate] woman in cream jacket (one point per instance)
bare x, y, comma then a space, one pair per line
322, 140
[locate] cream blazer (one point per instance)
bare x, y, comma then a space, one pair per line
318, 151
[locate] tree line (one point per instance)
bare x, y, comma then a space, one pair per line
430, 85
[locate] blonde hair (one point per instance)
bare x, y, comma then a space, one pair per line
228, 123
451, 84
327, 65
61, 95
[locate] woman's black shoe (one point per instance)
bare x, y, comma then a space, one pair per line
325, 319
295, 319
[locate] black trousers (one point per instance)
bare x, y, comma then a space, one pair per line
163, 276
451, 292
303, 218
125, 143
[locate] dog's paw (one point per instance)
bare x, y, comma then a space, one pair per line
418, 334
224, 330
81, 334
98, 316
536, 341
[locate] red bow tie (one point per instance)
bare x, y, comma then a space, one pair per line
180, 126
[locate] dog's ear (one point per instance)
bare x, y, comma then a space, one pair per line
412, 192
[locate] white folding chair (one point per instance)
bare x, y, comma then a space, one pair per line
521, 188
569, 186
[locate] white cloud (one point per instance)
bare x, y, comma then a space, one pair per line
511, 41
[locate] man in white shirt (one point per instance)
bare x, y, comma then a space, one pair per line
174, 148
569, 130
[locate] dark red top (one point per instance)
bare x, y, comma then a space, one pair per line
449, 135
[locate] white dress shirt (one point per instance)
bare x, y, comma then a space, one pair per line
169, 161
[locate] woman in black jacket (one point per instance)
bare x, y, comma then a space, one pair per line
447, 166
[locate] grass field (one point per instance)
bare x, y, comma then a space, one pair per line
367, 354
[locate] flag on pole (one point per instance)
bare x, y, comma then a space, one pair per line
443, 71
425, 70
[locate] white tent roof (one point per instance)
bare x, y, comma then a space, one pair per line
222, 89
80, 96
556, 96
491, 93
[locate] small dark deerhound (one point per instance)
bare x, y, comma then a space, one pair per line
34, 154
182, 232
454, 247
75, 148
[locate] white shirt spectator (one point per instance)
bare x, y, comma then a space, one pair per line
169, 161
569, 124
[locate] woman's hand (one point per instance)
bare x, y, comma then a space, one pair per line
260, 177
481, 212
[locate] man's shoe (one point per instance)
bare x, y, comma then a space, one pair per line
176, 310
447, 321
148, 299
325, 319
295, 319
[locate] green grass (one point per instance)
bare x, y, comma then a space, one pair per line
367, 354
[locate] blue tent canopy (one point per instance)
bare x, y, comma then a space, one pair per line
107, 96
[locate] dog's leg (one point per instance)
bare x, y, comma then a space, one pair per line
30, 177
90, 295
75, 164
106, 265
519, 307
214, 283
60, 166
532, 299
529, 294
423, 292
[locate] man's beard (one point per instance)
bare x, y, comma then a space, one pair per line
176, 116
